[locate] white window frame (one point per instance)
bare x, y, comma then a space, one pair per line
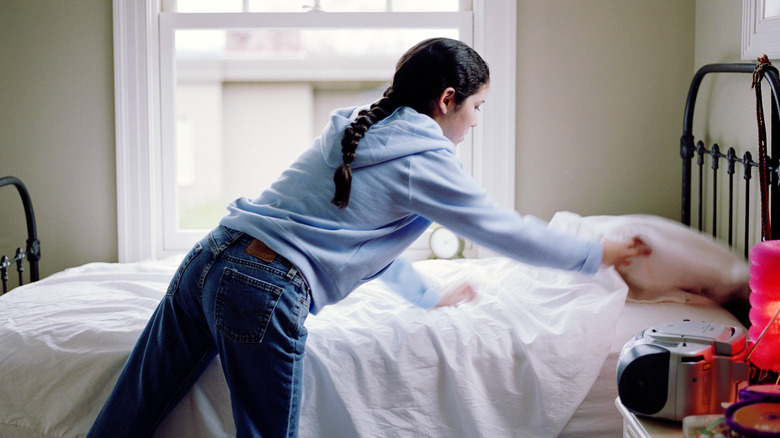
760, 35
175, 239
138, 118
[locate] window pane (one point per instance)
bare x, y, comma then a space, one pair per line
338, 44
771, 8
321, 5
208, 6
388, 5
248, 102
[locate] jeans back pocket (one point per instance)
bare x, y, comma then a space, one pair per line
244, 306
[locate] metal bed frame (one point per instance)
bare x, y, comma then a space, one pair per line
688, 150
33, 250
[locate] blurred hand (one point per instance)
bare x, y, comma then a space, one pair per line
621, 253
454, 295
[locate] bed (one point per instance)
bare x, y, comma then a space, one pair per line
533, 356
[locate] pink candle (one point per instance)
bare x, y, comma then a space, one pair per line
765, 302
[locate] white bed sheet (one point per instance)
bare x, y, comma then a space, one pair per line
516, 362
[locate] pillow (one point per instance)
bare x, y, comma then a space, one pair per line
683, 260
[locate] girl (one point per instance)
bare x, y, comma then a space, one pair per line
338, 217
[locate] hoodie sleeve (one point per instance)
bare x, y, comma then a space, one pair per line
404, 280
442, 192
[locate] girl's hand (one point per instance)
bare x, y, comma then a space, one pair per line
620, 253
454, 295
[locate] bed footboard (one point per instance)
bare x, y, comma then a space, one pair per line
32, 251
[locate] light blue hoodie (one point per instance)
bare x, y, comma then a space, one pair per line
405, 175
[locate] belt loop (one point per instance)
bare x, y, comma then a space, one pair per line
291, 273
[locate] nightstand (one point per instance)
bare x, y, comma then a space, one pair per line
637, 426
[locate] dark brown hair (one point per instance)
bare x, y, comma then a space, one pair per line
421, 75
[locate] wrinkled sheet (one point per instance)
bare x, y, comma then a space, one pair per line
515, 362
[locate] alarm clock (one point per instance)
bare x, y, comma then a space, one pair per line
445, 244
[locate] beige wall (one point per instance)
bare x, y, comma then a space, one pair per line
601, 87
57, 125
726, 102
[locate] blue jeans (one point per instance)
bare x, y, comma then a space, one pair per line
234, 297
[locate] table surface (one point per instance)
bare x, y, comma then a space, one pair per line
637, 426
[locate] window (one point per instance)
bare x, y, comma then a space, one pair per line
198, 85
242, 95
200, 6
760, 29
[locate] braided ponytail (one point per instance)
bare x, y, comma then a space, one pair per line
352, 135
421, 75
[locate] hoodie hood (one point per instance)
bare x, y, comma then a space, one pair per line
419, 132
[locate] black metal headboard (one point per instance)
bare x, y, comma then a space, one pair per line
33, 250
688, 150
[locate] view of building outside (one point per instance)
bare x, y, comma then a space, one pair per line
249, 101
